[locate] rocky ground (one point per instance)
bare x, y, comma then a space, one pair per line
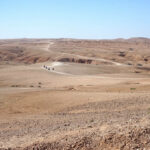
97, 96
115, 124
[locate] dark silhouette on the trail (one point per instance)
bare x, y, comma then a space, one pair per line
48, 68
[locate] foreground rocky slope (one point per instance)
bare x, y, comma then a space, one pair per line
116, 124
134, 139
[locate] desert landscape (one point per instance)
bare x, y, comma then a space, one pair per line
74, 94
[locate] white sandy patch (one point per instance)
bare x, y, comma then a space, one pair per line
54, 64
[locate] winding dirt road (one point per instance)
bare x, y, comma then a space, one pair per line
84, 57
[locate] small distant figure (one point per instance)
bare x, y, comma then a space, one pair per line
44, 66
49, 69
52, 68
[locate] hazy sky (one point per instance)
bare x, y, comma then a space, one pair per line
97, 19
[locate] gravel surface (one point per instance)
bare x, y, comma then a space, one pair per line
112, 123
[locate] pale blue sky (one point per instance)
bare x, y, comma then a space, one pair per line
90, 19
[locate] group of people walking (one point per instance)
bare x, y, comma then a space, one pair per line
48, 68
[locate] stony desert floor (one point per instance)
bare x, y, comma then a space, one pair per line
94, 94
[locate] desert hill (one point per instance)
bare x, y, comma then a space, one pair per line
74, 94
133, 51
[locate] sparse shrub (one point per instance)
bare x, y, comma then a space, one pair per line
92, 120
122, 54
145, 59
148, 110
132, 88
139, 65
31, 86
131, 49
137, 72
14, 85
129, 64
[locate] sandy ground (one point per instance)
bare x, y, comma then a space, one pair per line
38, 105
74, 106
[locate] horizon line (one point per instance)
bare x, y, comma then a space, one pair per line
119, 38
